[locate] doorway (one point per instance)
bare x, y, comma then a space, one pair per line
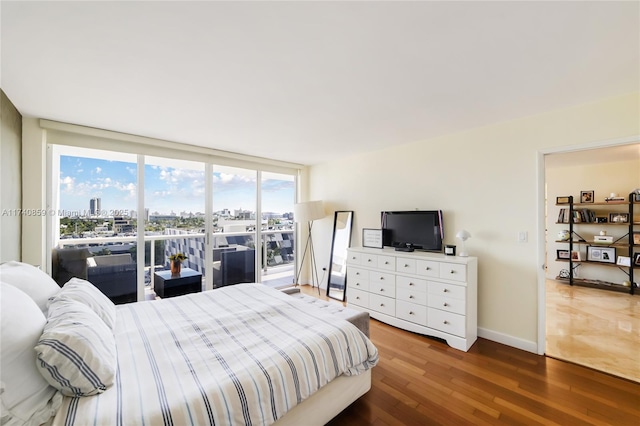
594, 327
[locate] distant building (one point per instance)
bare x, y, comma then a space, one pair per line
95, 207
122, 225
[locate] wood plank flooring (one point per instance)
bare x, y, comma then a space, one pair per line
422, 381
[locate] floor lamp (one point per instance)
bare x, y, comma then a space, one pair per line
308, 212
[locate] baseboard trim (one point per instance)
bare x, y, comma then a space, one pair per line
505, 339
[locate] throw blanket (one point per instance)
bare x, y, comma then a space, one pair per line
243, 354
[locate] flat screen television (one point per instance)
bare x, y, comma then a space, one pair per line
413, 229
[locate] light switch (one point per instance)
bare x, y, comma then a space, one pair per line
523, 236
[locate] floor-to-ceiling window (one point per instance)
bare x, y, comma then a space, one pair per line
233, 223
278, 242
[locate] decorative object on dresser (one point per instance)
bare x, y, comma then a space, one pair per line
372, 238
463, 235
175, 261
308, 212
450, 250
341, 241
427, 293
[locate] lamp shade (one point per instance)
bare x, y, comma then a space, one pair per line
308, 211
463, 235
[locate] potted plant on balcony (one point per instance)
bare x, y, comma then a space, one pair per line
176, 262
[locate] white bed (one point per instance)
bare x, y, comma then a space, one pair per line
243, 354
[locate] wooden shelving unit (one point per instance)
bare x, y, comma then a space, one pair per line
625, 243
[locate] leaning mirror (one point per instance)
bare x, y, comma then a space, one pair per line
337, 284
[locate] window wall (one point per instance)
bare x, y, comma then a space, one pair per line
233, 223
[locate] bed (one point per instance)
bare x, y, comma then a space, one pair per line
243, 354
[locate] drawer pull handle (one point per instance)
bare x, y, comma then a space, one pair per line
386, 263
411, 313
368, 260
410, 283
406, 265
382, 289
357, 284
382, 305
445, 322
445, 290
358, 297
410, 297
427, 269
452, 272
445, 304
382, 278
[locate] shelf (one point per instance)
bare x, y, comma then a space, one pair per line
605, 285
590, 262
597, 244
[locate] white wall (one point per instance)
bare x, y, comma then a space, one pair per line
486, 181
10, 180
620, 177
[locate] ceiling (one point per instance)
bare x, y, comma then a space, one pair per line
307, 81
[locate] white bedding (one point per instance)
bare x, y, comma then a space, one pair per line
243, 354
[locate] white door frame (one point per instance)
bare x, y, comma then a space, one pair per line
541, 205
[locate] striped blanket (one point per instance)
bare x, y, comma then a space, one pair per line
243, 354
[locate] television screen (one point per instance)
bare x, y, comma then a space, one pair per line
417, 229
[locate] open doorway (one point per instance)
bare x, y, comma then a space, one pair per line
593, 326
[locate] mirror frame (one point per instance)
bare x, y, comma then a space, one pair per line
333, 248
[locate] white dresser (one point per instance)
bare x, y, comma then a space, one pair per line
426, 293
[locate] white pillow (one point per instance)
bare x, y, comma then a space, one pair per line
84, 292
77, 351
36, 283
26, 398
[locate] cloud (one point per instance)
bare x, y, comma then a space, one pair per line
98, 170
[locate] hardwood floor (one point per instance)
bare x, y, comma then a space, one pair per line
593, 327
422, 381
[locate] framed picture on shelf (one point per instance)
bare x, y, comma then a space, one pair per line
601, 219
601, 254
562, 200
562, 254
636, 238
618, 217
575, 256
636, 259
586, 196
623, 261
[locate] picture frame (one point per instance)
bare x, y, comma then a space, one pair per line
636, 259
623, 261
562, 200
372, 238
601, 254
562, 254
617, 217
636, 238
575, 256
601, 219
587, 197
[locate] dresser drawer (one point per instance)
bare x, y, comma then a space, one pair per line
384, 288
358, 278
447, 290
411, 312
369, 260
427, 268
411, 295
382, 304
411, 283
376, 278
406, 266
449, 304
388, 263
453, 271
354, 258
357, 297
446, 321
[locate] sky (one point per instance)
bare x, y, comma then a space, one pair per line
170, 186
